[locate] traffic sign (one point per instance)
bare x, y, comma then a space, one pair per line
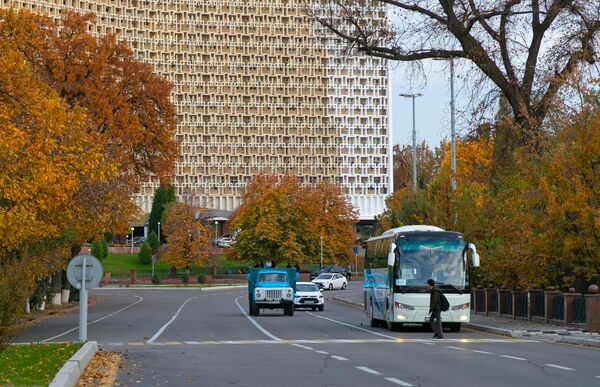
355, 249
93, 271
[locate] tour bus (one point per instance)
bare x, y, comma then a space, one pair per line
397, 266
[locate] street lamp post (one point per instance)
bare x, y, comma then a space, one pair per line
159, 233
216, 231
321, 238
132, 228
452, 124
414, 140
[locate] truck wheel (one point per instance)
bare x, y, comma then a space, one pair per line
256, 310
250, 307
291, 312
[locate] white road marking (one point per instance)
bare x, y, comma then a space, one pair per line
483, 352
459, 348
598, 377
512, 357
353, 326
322, 352
192, 342
162, 329
559, 367
368, 370
341, 358
140, 299
398, 382
303, 347
115, 344
257, 325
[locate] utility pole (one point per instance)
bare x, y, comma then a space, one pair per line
452, 124
414, 140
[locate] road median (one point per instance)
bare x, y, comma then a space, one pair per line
71, 371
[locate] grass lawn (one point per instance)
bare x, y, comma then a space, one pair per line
35, 364
120, 265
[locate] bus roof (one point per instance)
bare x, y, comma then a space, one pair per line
417, 231
412, 228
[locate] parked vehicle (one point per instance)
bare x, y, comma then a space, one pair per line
139, 240
308, 295
329, 269
270, 288
331, 281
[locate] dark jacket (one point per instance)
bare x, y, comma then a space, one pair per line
435, 300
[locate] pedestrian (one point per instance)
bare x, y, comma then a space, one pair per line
435, 309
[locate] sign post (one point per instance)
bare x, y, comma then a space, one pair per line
153, 261
355, 249
84, 272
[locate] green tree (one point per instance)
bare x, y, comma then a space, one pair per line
153, 242
163, 196
97, 250
145, 254
104, 248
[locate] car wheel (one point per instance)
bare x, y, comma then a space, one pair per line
343, 285
313, 308
330, 286
321, 307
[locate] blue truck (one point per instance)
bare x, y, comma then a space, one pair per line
270, 288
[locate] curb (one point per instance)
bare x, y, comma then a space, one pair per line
347, 302
485, 328
71, 371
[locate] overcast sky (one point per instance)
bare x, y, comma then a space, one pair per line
432, 109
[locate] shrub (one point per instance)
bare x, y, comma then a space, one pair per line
145, 254
104, 248
201, 278
186, 278
153, 242
97, 250
155, 280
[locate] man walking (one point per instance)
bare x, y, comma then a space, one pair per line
435, 309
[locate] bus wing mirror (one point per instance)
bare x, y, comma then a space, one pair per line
391, 259
475, 258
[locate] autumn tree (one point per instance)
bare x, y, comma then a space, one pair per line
528, 50
427, 160
281, 220
45, 153
188, 239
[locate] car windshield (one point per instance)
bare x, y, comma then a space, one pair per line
325, 276
307, 288
272, 277
424, 258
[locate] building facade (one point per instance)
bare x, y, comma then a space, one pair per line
258, 87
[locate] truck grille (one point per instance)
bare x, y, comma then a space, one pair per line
273, 294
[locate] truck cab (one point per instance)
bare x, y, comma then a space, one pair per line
271, 289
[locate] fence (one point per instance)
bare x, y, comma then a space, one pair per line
535, 304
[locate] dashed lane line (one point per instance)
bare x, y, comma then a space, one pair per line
399, 382
559, 367
303, 347
322, 352
482, 352
458, 348
368, 370
512, 357
162, 329
140, 299
340, 358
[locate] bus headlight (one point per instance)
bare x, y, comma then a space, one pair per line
404, 306
461, 306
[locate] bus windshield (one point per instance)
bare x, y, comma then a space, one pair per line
422, 258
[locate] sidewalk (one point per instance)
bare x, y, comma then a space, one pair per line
521, 329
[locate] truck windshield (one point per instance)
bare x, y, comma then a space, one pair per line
272, 277
422, 258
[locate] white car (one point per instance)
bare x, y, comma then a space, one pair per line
308, 295
331, 281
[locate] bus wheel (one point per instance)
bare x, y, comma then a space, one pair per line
455, 327
394, 327
374, 322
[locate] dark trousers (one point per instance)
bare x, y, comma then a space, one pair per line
435, 320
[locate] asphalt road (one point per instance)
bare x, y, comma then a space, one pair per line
184, 337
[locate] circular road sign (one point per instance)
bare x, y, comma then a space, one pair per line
93, 271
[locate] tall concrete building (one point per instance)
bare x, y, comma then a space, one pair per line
258, 87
